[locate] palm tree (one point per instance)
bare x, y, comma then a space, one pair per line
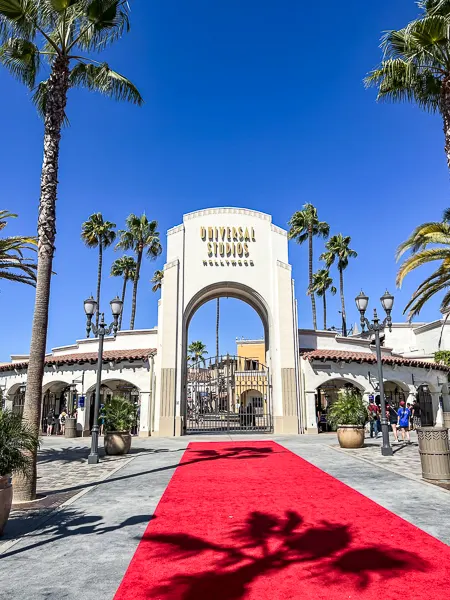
196, 352
125, 267
217, 325
416, 63
14, 266
157, 280
438, 235
338, 249
321, 283
95, 233
58, 33
140, 234
305, 225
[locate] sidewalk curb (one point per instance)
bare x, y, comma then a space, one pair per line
53, 512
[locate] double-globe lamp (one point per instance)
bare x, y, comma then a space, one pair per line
387, 301
100, 330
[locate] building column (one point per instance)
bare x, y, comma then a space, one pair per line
145, 415
311, 416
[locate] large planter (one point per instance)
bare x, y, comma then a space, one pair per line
117, 442
434, 450
350, 436
6, 495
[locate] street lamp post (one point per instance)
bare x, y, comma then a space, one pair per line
90, 308
387, 301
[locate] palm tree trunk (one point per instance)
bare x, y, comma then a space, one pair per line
58, 83
325, 311
313, 299
135, 286
217, 326
445, 110
99, 278
124, 291
344, 318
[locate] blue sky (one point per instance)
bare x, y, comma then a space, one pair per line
248, 104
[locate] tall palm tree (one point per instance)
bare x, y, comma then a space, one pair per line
140, 234
338, 249
436, 234
14, 265
322, 282
217, 325
125, 267
56, 35
416, 63
304, 226
196, 352
97, 233
157, 280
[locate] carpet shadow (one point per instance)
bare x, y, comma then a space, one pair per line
268, 544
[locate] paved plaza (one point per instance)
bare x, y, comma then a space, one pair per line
82, 544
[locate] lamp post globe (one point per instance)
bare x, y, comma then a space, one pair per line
90, 306
387, 301
362, 302
116, 306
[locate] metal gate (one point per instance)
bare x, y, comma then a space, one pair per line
228, 394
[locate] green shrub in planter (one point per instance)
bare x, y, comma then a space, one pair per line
119, 415
17, 442
348, 409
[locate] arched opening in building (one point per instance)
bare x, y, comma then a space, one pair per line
425, 402
326, 394
16, 397
226, 362
55, 400
394, 393
111, 388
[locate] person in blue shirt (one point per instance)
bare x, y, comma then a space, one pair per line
404, 414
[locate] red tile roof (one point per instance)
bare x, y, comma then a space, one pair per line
87, 357
366, 357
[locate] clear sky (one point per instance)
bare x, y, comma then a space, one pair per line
247, 103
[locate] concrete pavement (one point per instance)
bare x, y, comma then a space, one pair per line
84, 548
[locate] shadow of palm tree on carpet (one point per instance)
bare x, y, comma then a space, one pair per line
267, 544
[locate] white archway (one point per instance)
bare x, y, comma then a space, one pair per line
227, 252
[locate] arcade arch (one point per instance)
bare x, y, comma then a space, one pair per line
232, 391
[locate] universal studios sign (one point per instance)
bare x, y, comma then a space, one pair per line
227, 246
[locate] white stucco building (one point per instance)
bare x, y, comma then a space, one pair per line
239, 253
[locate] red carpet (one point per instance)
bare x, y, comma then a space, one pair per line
253, 521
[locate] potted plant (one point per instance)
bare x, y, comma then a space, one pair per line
119, 415
17, 443
348, 414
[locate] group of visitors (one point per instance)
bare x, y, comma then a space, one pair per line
401, 420
56, 424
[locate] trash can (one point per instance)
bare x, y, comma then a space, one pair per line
434, 452
447, 420
71, 427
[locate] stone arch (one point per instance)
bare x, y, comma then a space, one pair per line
343, 379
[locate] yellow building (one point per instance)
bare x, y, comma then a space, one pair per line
252, 383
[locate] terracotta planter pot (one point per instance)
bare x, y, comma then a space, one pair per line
350, 436
117, 442
6, 494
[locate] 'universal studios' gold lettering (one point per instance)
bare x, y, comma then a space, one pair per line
227, 242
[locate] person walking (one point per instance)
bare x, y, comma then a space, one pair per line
392, 417
403, 415
416, 415
50, 421
62, 421
374, 415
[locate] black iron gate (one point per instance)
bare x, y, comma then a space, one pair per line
228, 394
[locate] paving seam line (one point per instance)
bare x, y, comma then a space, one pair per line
386, 468
7, 545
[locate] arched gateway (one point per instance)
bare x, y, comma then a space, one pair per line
237, 253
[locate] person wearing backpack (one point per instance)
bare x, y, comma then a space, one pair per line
404, 414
